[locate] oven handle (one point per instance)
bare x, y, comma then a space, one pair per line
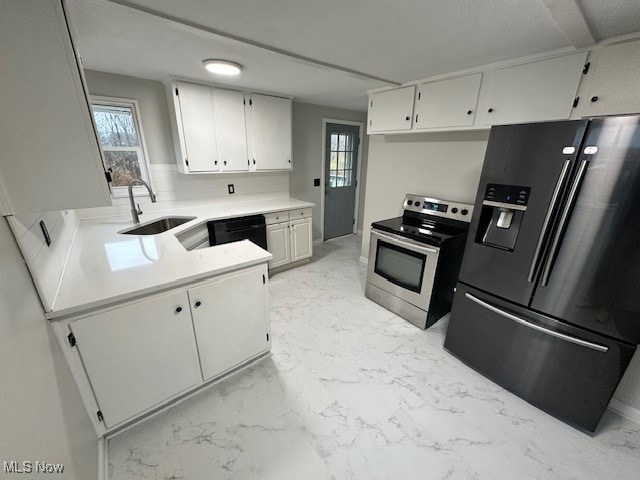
521, 321
405, 242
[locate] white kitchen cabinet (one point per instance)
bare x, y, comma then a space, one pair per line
301, 239
230, 319
447, 103
612, 85
271, 120
278, 244
138, 355
48, 144
537, 91
391, 110
197, 126
231, 130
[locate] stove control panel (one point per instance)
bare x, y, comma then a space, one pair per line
439, 208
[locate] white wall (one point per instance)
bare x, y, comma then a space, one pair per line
442, 165
308, 156
41, 415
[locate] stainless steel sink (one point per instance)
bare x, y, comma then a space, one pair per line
157, 226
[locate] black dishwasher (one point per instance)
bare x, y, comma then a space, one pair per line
233, 229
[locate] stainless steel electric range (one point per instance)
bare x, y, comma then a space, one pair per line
414, 260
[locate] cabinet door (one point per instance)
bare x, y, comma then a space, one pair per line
613, 86
278, 244
198, 126
231, 130
50, 159
391, 110
230, 318
537, 91
447, 103
271, 118
139, 355
301, 240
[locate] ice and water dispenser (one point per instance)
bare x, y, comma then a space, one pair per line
503, 209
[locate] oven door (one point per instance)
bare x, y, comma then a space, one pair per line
402, 267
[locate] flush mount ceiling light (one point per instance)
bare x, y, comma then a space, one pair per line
222, 67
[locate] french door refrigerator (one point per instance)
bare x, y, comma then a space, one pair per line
548, 299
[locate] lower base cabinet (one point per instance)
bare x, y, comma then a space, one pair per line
290, 241
131, 359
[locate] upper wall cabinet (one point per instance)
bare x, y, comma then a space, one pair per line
271, 119
216, 128
211, 129
612, 84
391, 110
50, 159
536, 91
447, 103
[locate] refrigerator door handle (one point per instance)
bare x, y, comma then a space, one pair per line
544, 234
546, 272
523, 322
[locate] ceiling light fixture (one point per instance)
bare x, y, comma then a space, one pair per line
222, 67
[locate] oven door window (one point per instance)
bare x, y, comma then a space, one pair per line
401, 266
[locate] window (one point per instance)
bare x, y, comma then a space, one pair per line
341, 160
121, 142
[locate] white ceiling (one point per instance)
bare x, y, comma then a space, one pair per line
390, 39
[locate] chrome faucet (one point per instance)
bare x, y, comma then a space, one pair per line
135, 211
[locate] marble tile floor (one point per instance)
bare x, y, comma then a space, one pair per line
354, 392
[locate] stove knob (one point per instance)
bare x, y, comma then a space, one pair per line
454, 210
464, 211
409, 202
417, 204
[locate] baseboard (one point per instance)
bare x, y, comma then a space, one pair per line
103, 458
317, 242
625, 410
364, 260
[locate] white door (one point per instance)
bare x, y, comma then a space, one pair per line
391, 110
278, 244
447, 103
537, 91
301, 240
271, 131
613, 82
231, 130
49, 154
139, 355
198, 127
230, 318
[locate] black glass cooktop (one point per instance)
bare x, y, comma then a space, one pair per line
422, 230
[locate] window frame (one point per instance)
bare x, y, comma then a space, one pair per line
145, 170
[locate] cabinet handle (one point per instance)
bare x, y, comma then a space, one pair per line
490, 110
197, 304
407, 118
594, 99
469, 112
215, 162
178, 310
225, 162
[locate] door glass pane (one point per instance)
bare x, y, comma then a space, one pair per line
333, 179
400, 266
333, 163
334, 141
349, 146
342, 142
341, 158
349, 160
123, 165
347, 178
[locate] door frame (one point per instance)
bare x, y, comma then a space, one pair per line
326, 120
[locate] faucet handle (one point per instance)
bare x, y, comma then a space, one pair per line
139, 210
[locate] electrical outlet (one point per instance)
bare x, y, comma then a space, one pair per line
316, 182
231, 188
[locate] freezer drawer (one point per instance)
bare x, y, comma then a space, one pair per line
565, 371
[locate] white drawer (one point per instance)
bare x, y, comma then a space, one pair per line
300, 213
276, 217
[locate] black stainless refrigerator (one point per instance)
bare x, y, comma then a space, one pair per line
548, 299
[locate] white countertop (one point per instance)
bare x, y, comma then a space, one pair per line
105, 266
